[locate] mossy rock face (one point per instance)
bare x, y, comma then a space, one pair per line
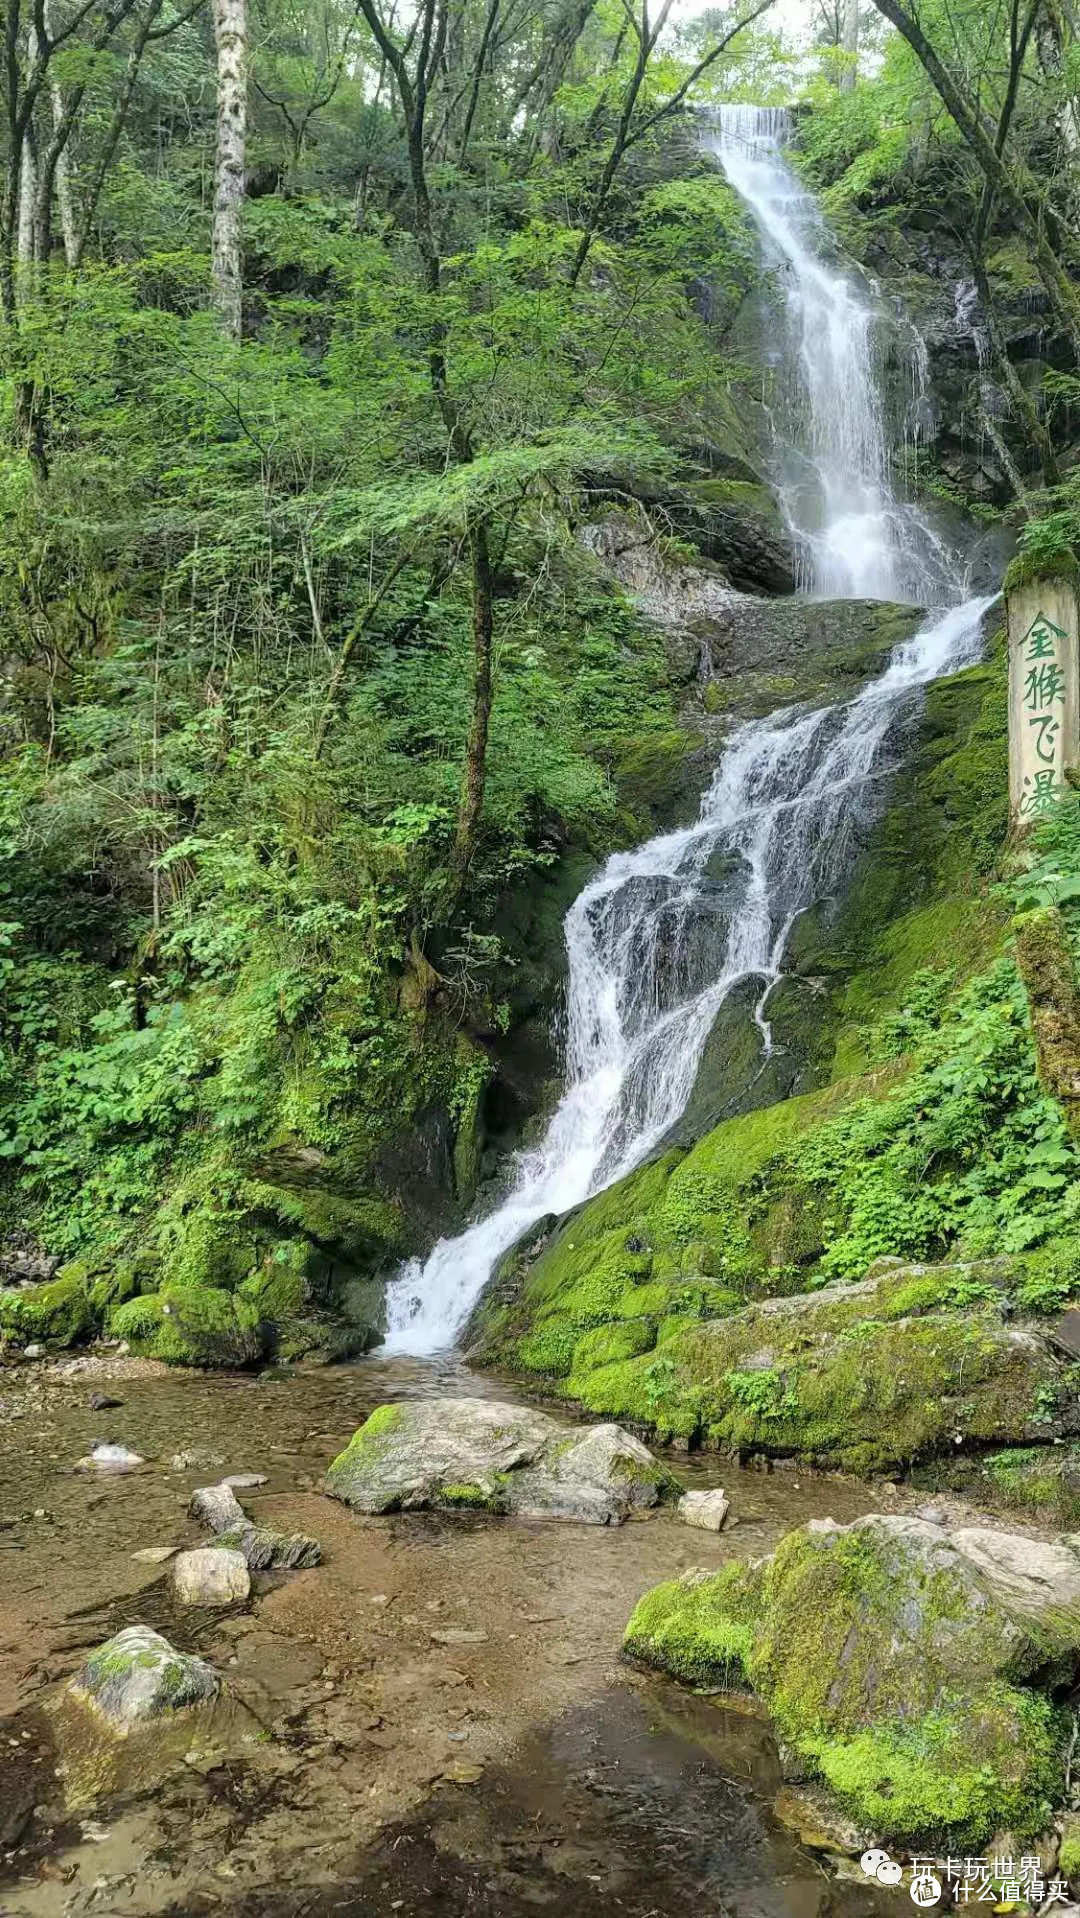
865, 1377
913, 1670
193, 1325
57, 1312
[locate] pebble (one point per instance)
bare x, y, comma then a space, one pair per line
245, 1481
461, 1774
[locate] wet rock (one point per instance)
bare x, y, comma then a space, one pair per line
217, 1507
138, 1675
705, 1510
198, 1455
910, 1668
108, 1457
265, 1549
154, 1554
480, 1454
104, 1402
262, 1547
245, 1481
33, 1351
211, 1575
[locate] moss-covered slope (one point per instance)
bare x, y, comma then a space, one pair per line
677, 1298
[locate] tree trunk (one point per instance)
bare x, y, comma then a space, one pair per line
483, 624
849, 68
226, 259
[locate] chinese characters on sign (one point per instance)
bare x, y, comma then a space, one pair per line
1044, 695
1043, 701
971, 1881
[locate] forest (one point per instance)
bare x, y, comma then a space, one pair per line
513, 515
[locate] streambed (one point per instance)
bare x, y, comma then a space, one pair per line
388, 1764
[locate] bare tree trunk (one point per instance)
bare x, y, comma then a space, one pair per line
483, 624
226, 258
849, 68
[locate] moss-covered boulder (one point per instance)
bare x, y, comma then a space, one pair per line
192, 1325
138, 1676
914, 1671
479, 1454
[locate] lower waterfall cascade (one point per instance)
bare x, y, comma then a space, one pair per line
788, 798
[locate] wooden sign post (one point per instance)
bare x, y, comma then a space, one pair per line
1044, 694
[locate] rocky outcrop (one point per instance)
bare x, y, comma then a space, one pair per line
480, 1454
138, 1676
912, 1669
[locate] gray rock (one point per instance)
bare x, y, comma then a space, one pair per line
33, 1351
211, 1575
265, 1549
198, 1455
154, 1554
106, 1457
705, 1510
217, 1507
245, 1481
138, 1675
478, 1453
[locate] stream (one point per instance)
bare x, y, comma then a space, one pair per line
520, 1768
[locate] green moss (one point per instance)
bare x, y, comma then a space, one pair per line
1029, 567
192, 1325
481, 1497
1069, 1854
882, 1672
699, 1629
955, 1777
59, 1311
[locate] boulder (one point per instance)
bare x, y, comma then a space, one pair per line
211, 1575
499, 1458
911, 1668
138, 1675
705, 1510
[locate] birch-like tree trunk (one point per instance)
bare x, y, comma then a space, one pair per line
226, 259
849, 70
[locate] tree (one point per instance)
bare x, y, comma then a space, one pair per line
226, 247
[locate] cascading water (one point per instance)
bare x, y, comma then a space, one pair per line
854, 539
784, 809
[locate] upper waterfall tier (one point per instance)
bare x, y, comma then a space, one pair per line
853, 537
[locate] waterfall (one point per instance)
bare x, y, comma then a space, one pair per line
654, 942
853, 538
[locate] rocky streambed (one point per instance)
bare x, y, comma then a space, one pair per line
433, 1719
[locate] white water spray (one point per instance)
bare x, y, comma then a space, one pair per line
655, 944
853, 538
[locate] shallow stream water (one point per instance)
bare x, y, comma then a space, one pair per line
371, 1766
